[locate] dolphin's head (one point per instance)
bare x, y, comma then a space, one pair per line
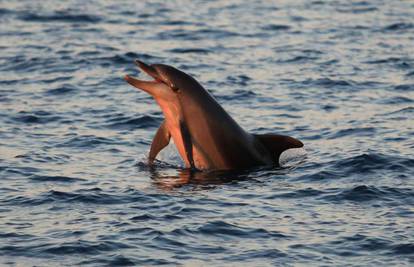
169, 83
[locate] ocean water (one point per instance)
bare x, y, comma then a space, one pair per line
74, 186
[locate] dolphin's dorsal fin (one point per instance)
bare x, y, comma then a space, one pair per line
275, 144
161, 140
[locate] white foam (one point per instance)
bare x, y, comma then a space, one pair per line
170, 155
292, 156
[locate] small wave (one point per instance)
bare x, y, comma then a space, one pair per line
357, 10
358, 193
367, 131
297, 59
28, 64
143, 217
312, 52
57, 79
40, 156
301, 193
289, 116
240, 80
329, 107
403, 249
367, 158
4, 11
60, 16
385, 60
177, 34
40, 117
190, 51
398, 27
405, 87
62, 90
250, 255
169, 243
195, 35
396, 100
62, 179
119, 260
237, 95
330, 62
361, 243
89, 53
407, 110
16, 235
356, 7
10, 172
362, 193
403, 110
84, 196
321, 175
83, 247
123, 59
180, 22
167, 159
276, 27
226, 229
5, 99
88, 141
369, 163
328, 83
131, 123
401, 63
11, 82
370, 84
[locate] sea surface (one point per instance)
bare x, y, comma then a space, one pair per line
75, 189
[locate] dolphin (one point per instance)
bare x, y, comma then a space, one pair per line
205, 135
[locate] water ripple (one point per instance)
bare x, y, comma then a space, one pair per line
60, 16
132, 123
75, 186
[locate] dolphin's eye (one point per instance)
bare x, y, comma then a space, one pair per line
174, 88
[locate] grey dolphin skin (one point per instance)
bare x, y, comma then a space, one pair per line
205, 135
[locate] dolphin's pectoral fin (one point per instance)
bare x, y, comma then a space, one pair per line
188, 144
161, 140
276, 144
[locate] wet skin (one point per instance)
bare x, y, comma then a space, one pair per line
206, 136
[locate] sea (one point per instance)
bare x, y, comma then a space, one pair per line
75, 186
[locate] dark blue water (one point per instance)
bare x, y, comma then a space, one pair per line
74, 187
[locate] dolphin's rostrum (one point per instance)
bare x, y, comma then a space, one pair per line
205, 135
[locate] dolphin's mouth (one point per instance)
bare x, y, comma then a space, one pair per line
150, 70
141, 84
